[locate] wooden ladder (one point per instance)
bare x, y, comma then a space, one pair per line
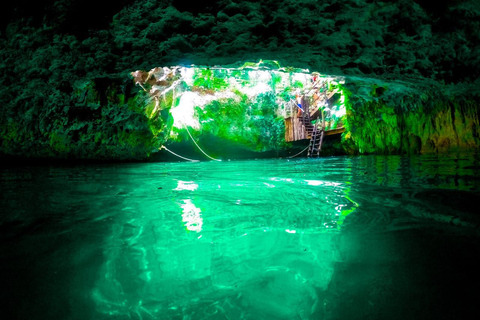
316, 141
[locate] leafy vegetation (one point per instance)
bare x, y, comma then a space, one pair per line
252, 124
206, 79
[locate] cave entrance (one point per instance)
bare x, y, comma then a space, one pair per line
247, 102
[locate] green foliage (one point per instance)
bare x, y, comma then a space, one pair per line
252, 124
205, 78
298, 84
276, 80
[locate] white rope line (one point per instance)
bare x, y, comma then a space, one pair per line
299, 152
199, 146
163, 147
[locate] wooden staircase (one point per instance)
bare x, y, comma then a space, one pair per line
315, 132
309, 123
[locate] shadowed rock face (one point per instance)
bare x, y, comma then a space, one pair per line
384, 38
48, 46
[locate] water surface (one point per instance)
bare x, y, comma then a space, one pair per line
368, 237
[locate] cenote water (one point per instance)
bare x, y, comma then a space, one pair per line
367, 237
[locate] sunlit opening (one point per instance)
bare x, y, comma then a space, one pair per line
245, 103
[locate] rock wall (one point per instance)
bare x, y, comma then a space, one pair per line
101, 119
392, 118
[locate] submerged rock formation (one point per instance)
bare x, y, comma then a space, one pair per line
65, 90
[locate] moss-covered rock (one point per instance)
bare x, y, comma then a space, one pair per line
102, 118
414, 117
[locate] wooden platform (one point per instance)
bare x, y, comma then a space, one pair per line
295, 130
299, 126
334, 131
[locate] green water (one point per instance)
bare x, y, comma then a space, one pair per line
367, 237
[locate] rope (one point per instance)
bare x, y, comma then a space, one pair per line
199, 146
299, 152
163, 147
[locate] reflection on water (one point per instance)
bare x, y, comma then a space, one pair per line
191, 216
333, 238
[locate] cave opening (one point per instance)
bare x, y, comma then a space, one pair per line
261, 106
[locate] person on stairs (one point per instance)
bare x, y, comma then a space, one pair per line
298, 100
